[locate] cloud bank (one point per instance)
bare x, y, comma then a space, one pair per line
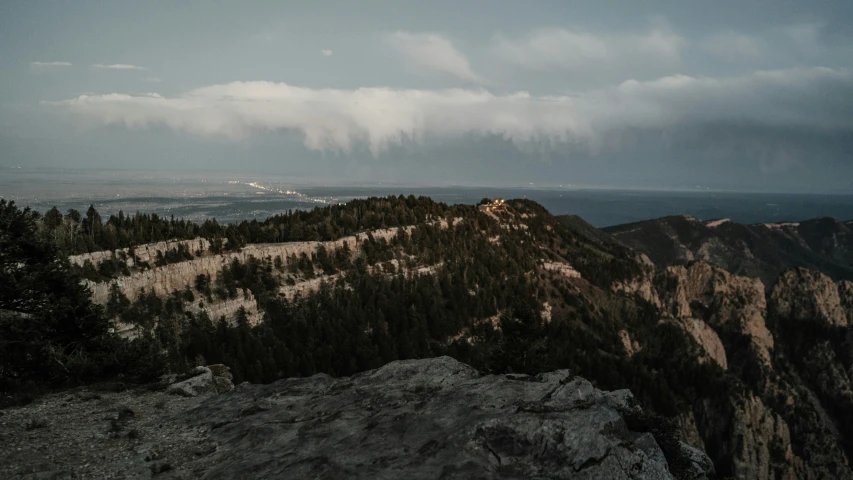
430, 52
118, 66
810, 99
50, 64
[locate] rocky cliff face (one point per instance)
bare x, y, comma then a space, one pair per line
168, 278
415, 419
642, 285
712, 296
163, 280
144, 253
749, 439
216, 309
804, 294
791, 422
707, 338
812, 315
845, 291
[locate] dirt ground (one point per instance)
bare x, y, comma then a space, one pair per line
100, 432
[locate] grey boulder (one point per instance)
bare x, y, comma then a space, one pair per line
427, 419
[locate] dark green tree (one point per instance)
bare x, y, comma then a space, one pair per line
49, 328
117, 302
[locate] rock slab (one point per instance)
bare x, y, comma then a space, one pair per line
427, 419
211, 379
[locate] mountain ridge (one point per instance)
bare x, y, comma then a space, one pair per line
755, 374
761, 251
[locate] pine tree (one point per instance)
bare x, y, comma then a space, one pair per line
117, 302
49, 329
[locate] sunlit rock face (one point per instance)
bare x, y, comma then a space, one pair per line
806, 294
719, 299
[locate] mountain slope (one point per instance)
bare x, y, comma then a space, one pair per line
516, 291
761, 251
521, 291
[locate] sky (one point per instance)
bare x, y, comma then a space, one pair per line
733, 95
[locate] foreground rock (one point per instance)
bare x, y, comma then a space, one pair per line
215, 378
433, 418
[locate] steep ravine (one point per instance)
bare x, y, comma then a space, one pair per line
791, 349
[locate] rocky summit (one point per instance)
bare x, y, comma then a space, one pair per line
435, 418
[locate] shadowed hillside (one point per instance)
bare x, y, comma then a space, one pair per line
762, 251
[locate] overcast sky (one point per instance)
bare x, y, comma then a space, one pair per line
741, 95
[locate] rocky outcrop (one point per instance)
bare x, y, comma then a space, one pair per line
721, 300
765, 441
560, 268
749, 438
845, 291
229, 307
630, 345
211, 379
214, 309
806, 294
818, 408
168, 278
643, 285
146, 253
165, 279
417, 419
708, 339
432, 418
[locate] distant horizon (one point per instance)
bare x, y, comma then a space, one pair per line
317, 182
235, 196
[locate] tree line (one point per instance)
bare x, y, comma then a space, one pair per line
76, 233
